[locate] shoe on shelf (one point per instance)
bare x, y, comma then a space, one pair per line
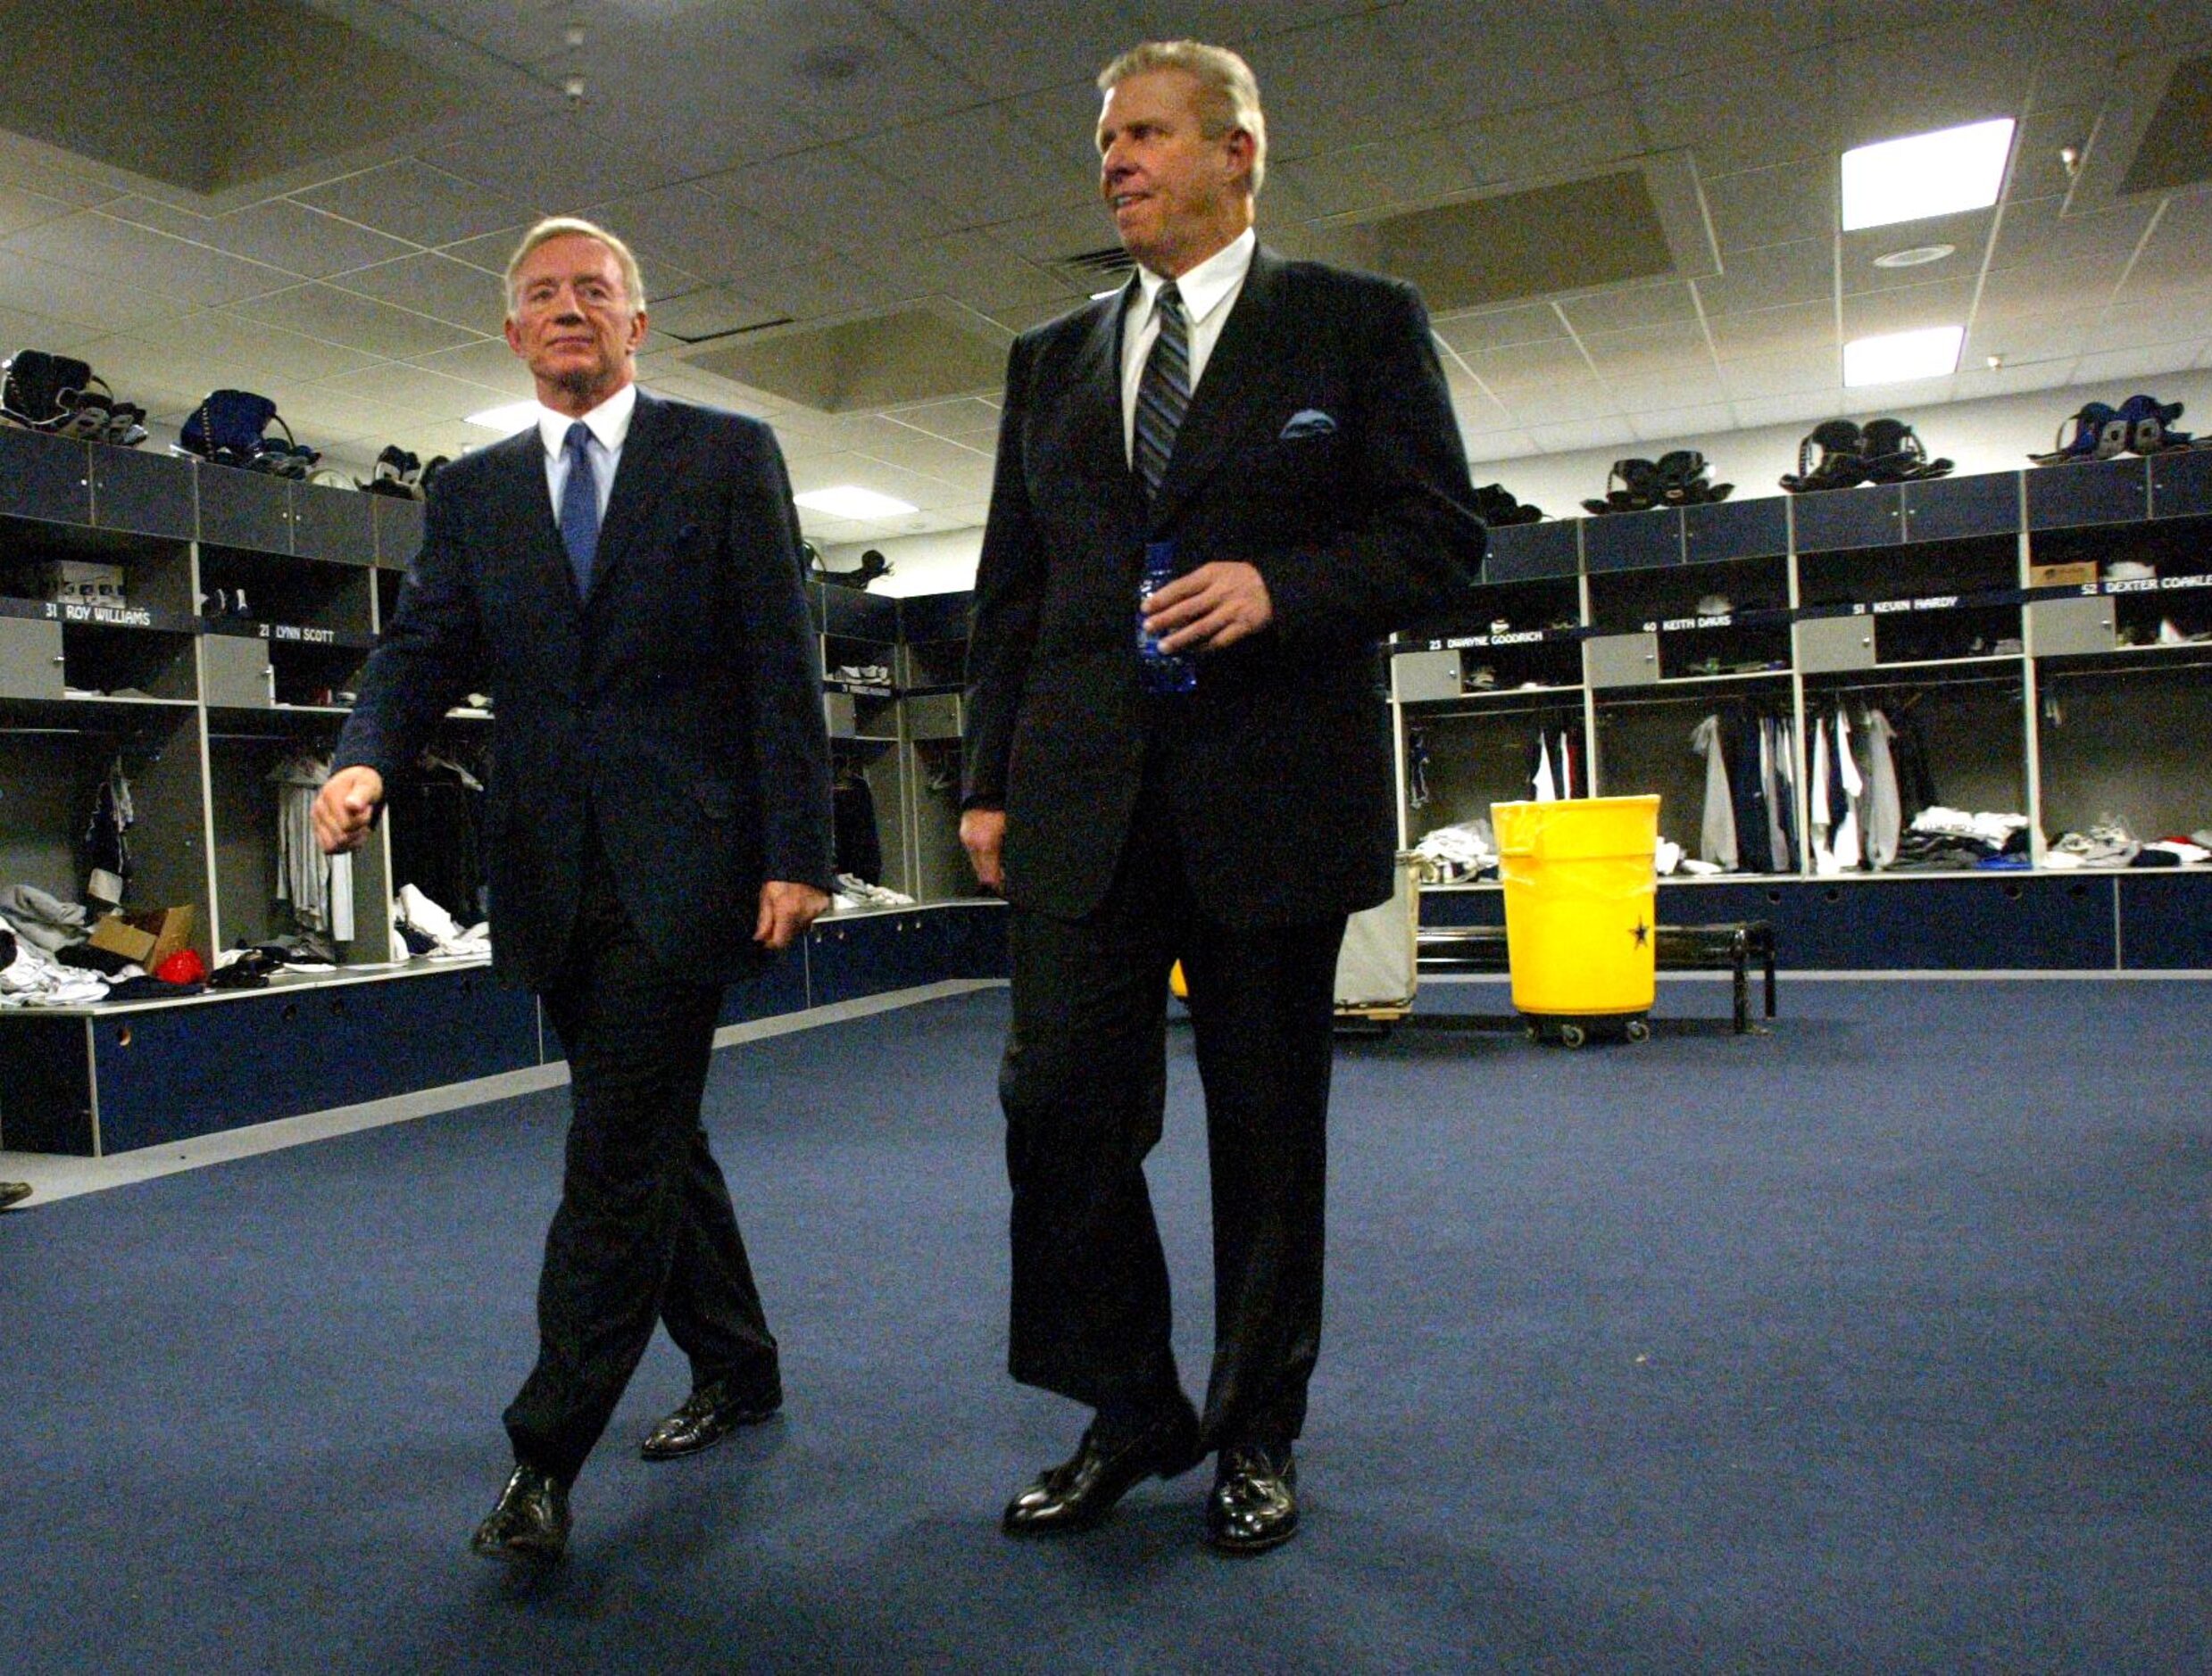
530, 1521
709, 1414
1254, 1503
1082, 1490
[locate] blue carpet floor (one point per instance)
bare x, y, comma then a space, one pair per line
1882, 1343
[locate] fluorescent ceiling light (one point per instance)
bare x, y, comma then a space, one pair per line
1942, 174
516, 416
1101, 297
846, 501
1931, 353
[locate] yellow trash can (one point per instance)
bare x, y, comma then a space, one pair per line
1581, 911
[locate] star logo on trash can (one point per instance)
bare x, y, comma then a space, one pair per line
1643, 933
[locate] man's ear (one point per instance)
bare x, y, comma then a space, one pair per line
1241, 154
514, 335
637, 329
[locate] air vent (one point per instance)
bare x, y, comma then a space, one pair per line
2176, 149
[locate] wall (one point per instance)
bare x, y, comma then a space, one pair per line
1995, 434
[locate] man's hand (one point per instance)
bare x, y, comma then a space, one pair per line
1214, 607
787, 910
983, 834
345, 807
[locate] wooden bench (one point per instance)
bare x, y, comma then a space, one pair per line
1731, 947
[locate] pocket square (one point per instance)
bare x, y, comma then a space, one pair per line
1310, 421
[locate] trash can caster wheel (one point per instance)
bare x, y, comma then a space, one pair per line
1532, 1032
1638, 1031
1573, 1035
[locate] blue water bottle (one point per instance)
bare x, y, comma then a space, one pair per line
1159, 671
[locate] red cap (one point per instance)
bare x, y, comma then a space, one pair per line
184, 967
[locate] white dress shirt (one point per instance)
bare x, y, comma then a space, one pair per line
1208, 292
610, 424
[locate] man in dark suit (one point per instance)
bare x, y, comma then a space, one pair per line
1277, 437
624, 579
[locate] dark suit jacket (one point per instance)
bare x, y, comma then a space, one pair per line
676, 707
1319, 446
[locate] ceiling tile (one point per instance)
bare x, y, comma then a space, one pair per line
556, 163
1554, 142
1762, 376
1892, 82
1677, 344
830, 198
961, 163
1778, 276
1322, 84
279, 232
92, 242
978, 271
1495, 448
411, 200
20, 208
218, 350
708, 234
2121, 365
114, 303
1670, 301
1551, 54
1946, 302
1497, 329
1662, 38
1569, 400
2047, 288
1519, 367
1803, 329
489, 362
436, 285
1786, 204
357, 322
1786, 113
1412, 169
969, 419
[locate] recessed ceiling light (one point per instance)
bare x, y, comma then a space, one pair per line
1943, 173
848, 501
1918, 256
516, 416
1931, 353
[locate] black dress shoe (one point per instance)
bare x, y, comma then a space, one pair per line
708, 1415
531, 1520
1254, 1503
13, 1193
1082, 1490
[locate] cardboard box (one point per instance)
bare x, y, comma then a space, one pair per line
2066, 576
149, 938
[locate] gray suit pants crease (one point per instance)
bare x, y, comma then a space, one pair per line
645, 1231
1084, 1087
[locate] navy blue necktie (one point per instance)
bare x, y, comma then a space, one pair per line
1163, 390
579, 506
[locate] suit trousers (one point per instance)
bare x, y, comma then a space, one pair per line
645, 1231
1084, 1085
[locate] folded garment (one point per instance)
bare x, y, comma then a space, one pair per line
42, 918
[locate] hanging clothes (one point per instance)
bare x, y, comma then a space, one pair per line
1748, 789
1885, 812
319, 888
1847, 795
1717, 837
857, 844
1542, 787
436, 821
1818, 814
107, 846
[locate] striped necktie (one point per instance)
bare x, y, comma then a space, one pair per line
1163, 394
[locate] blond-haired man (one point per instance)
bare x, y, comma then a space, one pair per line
1266, 451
